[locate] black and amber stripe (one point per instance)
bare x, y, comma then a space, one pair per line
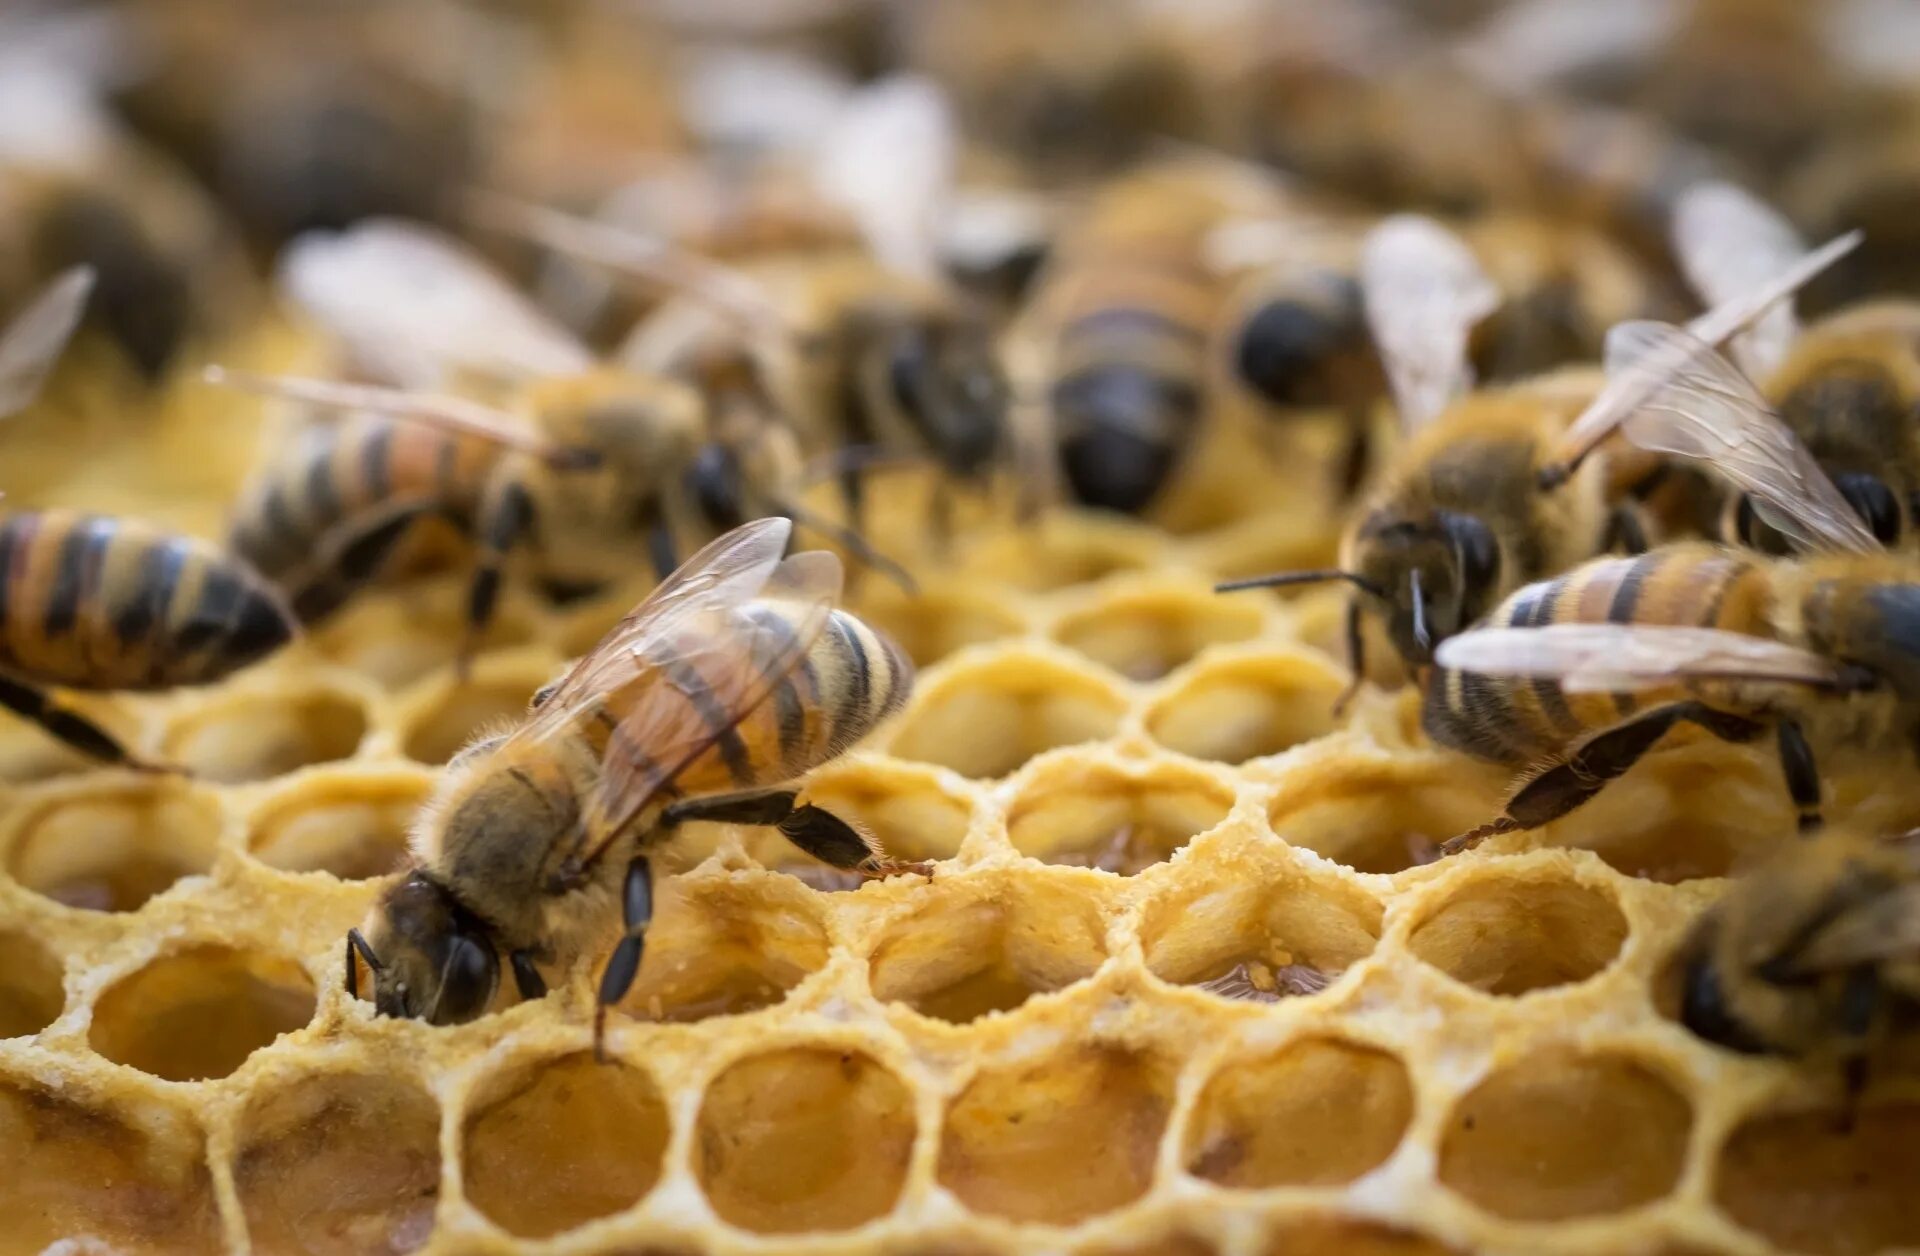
1519, 720
337, 492
94, 602
739, 697
1129, 375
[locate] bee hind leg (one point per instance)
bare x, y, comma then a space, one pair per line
636, 910
814, 830
1803, 775
71, 727
1596, 763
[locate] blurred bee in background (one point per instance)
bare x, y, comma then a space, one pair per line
737, 676
1847, 387
1116, 343
1814, 954
1589, 670
76, 190
96, 603
581, 472
862, 353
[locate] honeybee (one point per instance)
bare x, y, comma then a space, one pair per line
1848, 387
597, 464
1459, 520
1588, 670
734, 678
32, 341
1116, 343
1814, 953
864, 350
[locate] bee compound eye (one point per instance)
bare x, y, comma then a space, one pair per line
467, 979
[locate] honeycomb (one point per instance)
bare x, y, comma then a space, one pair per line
1184, 979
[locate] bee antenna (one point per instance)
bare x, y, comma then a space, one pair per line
355, 942
853, 542
1420, 633
1281, 578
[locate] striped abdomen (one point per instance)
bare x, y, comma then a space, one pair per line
846, 683
1129, 375
1518, 720
358, 480
91, 602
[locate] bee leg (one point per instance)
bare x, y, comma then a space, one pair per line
660, 548
526, 977
69, 726
504, 523
349, 560
756, 807
1594, 764
1859, 999
1803, 776
1625, 531
636, 909
1356, 659
833, 841
1356, 455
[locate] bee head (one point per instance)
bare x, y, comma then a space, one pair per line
431, 958
1438, 575
1290, 349
1872, 624
946, 377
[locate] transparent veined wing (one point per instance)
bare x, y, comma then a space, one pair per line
692, 661
1886, 929
31, 343
1729, 242
415, 306
1424, 290
1604, 658
1705, 409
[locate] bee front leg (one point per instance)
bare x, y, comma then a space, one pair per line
1803, 775
71, 727
505, 521
636, 909
1356, 659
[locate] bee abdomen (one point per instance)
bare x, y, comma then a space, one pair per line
92, 602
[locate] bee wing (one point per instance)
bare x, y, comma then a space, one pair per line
1603, 658
693, 662
1424, 290
1705, 409
1886, 929
1621, 395
414, 304
1729, 242
31, 343
889, 159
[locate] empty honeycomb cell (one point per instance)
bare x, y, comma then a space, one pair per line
113, 846
563, 1142
31, 992
985, 719
492, 700
1341, 1236
1321, 1112
200, 1012
939, 620
1380, 817
353, 826
1508, 935
1294, 926
1564, 1134
720, 948
1144, 633
1057, 1140
1825, 1181
804, 1139
333, 1164
415, 629
73, 1171
254, 736
1248, 707
971, 949
1086, 814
